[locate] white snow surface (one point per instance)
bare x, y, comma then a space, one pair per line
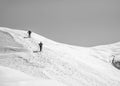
57, 64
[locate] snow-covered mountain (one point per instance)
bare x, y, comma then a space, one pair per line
57, 64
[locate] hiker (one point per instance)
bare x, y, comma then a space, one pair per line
29, 34
40, 45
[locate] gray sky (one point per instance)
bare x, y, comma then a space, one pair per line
76, 22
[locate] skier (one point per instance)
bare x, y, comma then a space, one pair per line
29, 34
40, 45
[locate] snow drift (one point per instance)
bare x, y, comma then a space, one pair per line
66, 65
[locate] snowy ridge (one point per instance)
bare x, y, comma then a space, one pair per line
67, 64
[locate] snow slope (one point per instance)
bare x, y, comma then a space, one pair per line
12, 77
63, 64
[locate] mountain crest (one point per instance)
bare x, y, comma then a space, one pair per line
40, 57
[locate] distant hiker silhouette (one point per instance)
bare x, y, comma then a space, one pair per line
29, 34
40, 45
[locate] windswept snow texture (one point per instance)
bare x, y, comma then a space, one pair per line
12, 77
66, 64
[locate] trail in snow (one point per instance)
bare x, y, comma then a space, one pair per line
71, 65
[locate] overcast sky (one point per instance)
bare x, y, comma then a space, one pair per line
76, 22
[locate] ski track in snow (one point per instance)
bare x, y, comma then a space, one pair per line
71, 65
